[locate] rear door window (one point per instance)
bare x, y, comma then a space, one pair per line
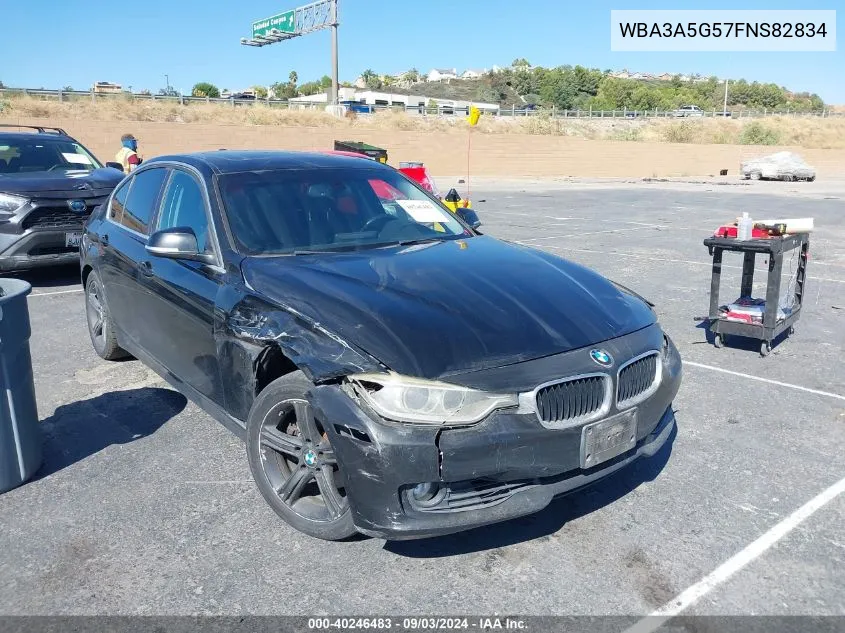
140, 203
118, 201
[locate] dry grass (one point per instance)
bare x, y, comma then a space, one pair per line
810, 132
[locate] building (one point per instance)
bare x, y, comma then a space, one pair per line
472, 74
106, 87
441, 74
390, 99
664, 77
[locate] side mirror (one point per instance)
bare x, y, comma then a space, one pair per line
114, 165
468, 216
177, 243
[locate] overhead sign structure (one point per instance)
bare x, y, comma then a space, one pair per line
316, 16
284, 22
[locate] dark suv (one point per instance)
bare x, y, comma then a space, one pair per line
49, 183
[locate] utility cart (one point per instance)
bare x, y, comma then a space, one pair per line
357, 147
773, 324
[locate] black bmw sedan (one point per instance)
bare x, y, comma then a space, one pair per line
391, 370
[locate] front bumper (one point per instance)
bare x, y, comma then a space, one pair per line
36, 249
506, 466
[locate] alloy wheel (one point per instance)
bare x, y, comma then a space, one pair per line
95, 313
299, 462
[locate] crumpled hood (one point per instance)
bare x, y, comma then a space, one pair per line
436, 309
35, 183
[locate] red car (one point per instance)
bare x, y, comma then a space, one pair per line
418, 173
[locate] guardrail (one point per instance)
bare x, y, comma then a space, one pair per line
442, 109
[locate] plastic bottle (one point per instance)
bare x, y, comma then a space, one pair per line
743, 231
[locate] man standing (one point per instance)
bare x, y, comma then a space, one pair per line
128, 154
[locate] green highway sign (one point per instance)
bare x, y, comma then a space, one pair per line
283, 22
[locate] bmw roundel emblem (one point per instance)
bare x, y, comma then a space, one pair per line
310, 457
601, 357
77, 206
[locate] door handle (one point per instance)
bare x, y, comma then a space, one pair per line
146, 268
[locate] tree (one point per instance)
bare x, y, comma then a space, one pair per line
1, 85
371, 79
260, 92
170, 91
65, 89
205, 89
326, 81
413, 76
310, 88
500, 82
520, 62
283, 90
293, 78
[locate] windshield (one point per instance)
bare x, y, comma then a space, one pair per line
38, 155
320, 210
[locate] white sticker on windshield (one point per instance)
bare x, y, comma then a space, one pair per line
422, 210
79, 159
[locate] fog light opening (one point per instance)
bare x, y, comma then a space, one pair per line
425, 491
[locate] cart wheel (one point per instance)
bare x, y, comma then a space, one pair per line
765, 348
719, 341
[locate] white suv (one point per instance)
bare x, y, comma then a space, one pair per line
689, 110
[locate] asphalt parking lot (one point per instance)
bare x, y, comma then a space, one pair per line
145, 505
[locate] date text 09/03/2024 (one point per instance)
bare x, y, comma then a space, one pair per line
417, 623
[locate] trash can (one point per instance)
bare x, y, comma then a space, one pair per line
20, 434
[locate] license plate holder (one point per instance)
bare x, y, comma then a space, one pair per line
609, 438
73, 239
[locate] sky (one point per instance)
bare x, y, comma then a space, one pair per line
57, 43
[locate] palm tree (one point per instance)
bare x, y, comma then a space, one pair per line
368, 74
412, 75
293, 78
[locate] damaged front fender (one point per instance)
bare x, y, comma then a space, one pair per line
249, 325
321, 354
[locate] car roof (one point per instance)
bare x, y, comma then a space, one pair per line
235, 161
12, 137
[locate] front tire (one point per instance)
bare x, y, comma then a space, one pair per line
100, 324
293, 463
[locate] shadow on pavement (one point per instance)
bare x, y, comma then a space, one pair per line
49, 277
80, 429
546, 522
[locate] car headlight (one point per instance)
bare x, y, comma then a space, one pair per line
9, 205
418, 401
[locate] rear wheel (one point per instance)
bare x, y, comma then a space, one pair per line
100, 324
293, 463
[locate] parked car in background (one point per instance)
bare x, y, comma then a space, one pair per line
391, 371
49, 183
689, 110
357, 107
